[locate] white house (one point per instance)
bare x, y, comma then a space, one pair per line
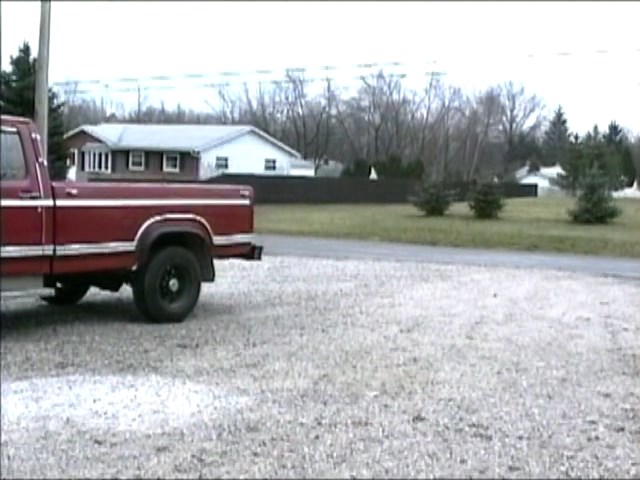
630, 192
245, 150
302, 168
543, 178
195, 151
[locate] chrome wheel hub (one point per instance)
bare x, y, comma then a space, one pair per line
174, 285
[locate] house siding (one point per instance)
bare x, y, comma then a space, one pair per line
246, 155
120, 164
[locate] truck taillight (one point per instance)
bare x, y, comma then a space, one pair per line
247, 193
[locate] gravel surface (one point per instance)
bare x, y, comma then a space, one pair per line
322, 368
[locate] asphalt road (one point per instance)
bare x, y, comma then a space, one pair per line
281, 245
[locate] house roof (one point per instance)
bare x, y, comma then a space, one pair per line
551, 172
192, 138
300, 163
545, 172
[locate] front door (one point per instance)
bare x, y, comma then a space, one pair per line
22, 250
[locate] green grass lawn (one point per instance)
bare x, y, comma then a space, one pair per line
525, 224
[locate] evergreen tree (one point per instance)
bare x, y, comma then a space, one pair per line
595, 203
590, 154
432, 198
555, 142
486, 200
17, 97
574, 165
617, 140
614, 135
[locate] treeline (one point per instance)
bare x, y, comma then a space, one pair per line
437, 132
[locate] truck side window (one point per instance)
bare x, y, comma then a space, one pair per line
12, 165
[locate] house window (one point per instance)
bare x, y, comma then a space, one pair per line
171, 162
270, 164
96, 161
136, 161
222, 163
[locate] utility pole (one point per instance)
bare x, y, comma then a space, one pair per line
42, 76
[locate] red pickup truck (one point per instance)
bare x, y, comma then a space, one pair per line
58, 239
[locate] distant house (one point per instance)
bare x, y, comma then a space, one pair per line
302, 168
543, 178
176, 152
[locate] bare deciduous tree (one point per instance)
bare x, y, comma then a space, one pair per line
521, 118
455, 137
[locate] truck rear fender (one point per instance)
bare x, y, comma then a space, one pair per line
189, 234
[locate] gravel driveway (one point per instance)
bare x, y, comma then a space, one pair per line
326, 368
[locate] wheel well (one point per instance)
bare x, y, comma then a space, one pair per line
190, 241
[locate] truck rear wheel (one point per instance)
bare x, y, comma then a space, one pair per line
67, 294
167, 288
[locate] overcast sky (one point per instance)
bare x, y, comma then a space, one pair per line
584, 55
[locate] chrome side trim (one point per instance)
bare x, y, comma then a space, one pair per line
79, 249
151, 202
43, 212
238, 239
26, 203
132, 202
75, 249
6, 128
21, 251
70, 249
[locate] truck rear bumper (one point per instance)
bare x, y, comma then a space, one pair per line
254, 253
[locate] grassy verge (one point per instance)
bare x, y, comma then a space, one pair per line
526, 224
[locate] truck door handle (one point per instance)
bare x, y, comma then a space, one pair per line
28, 195
72, 192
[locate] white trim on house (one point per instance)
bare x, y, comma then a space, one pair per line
74, 157
249, 129
165, 167
132, 166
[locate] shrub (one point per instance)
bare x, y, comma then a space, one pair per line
595, 203
433, 199
486, 200
359, 168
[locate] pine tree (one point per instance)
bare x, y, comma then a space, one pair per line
574, 164
595, 203
555, 142
617, 140
432, 198
17, 97
592, 153
486, 200
614, 135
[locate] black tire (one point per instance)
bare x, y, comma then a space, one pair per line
67, 294
152, 286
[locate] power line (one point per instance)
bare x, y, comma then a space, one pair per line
233, 74
210, 85
302, 70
